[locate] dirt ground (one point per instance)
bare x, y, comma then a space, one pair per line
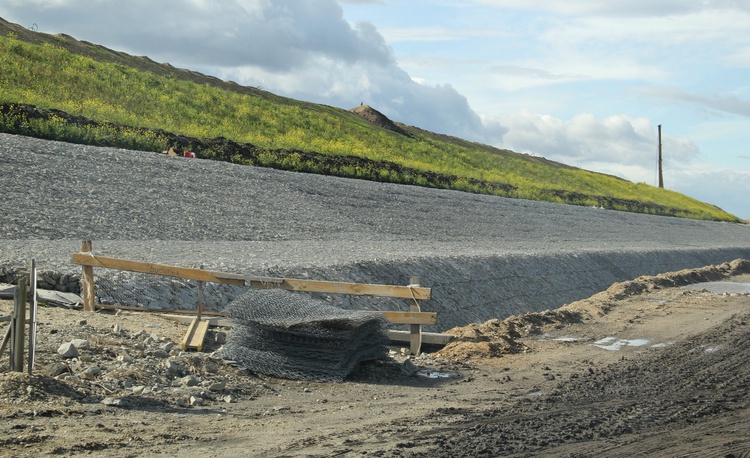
644, 368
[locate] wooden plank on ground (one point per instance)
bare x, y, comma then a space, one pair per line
195, 335
215, 321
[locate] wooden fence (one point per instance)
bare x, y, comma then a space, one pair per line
413, 293
14, 335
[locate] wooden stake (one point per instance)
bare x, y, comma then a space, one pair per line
200, 297
19, 325
87, 280
416, 329
32, 316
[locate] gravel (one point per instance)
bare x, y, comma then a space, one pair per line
152, 207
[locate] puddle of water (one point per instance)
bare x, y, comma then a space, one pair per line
614, 344
720, 287
662, 345
428, 373
566, 339
546, 337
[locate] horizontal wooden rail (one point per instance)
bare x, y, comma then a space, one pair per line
135, 308
88, 259
290, 284
423, 318
393, 317
432, 338
333, 287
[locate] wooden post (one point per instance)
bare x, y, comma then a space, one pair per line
87, 281
200, 297
32, 316
415, 329
19, 325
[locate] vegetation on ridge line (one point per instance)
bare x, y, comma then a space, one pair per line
99, 98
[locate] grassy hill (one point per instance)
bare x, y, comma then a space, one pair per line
54, 86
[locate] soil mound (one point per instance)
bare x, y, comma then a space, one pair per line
377, 118
602, 303
495, 338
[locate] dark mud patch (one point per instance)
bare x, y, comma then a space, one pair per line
698, 380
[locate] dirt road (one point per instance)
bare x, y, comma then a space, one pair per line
645, 368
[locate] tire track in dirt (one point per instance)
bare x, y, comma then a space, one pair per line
702, 379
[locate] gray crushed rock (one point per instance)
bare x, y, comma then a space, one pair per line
483, 256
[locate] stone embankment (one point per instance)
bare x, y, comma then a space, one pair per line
484, 257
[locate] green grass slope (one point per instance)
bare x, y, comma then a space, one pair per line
61, 88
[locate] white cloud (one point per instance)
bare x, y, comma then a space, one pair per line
703, 181
584, 139
273, 35
41, 3
740, 57
438, 33
628, 148
723, 103
387, 88
710, 183
622, 40
714, 27
618, 8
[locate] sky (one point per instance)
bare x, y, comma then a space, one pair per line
581, 82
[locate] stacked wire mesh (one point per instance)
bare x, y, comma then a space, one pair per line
295, 336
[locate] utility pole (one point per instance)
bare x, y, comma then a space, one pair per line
661, 173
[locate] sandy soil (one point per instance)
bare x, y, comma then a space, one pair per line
644, 368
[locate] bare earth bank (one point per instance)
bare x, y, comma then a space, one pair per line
645, 368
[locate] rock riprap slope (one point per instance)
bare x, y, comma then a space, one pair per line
483, 256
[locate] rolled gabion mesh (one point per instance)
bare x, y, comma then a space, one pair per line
294, 336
